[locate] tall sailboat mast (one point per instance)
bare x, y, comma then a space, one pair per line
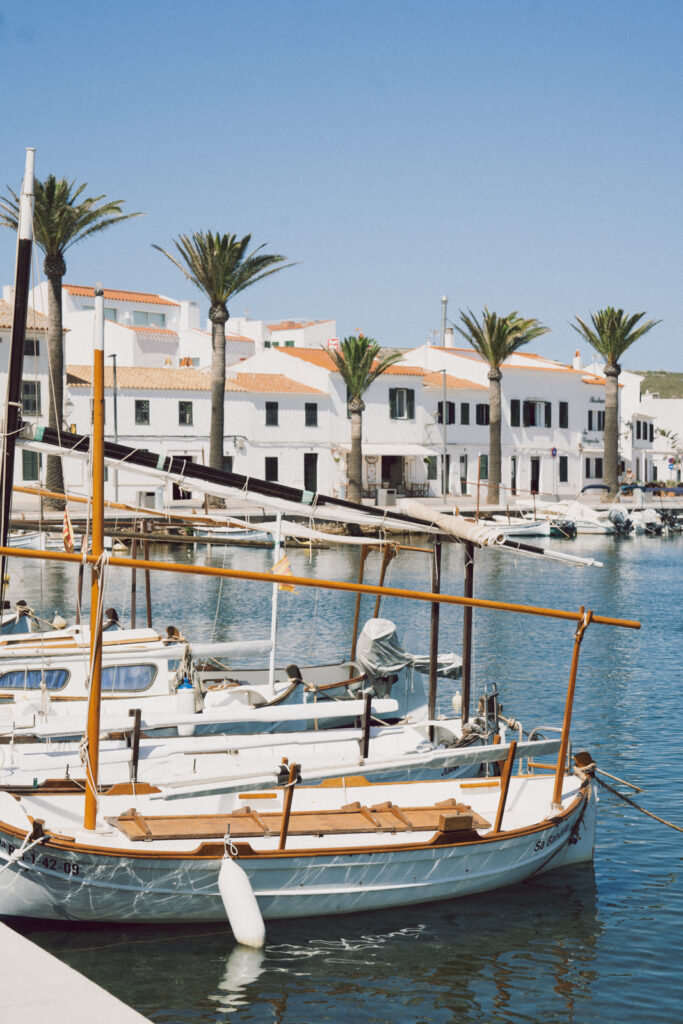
12, 419
97, 462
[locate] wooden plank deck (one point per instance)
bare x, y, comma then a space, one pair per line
247, 823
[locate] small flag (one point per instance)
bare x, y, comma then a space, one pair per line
68, 533
283, 568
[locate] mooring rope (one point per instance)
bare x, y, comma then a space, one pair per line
628, 800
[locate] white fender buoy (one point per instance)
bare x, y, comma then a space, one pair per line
240, 904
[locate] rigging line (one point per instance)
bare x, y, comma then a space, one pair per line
220, 595
629, 800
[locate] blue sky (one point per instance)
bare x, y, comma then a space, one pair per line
521, 155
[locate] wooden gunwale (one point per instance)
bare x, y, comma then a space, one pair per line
208, 851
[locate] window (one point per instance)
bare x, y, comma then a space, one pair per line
588, 469
536, 414
600, 417
598, 468
271, 467
271, 414
31, 463
185, 414
465, 414
311, 471
31, 346
484, 466
129, 678
432, 467
450, 412
143, 319
32, 679
652, 431
110, 313
401, 403
30, 397
483, 417
266, 344
311, 409
142, 411
638, 430
289, 344
514, 412
564, 415
227, 463
564, 465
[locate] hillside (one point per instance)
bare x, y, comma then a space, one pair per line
666, 385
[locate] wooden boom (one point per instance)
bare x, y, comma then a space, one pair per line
302, 581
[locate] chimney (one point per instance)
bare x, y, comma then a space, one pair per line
577, 360
449, 338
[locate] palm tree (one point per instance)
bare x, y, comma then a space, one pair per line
612, 333
359, 364
62, 216
220, 267
495, 339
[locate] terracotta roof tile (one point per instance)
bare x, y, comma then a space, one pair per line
117, 295
148, 378
435, 380
274, 383
35, 321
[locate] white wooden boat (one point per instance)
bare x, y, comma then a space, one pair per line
333, 850
516, 526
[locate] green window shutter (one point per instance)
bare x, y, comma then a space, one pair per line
514, 412
410, 395
548, 414
392, 403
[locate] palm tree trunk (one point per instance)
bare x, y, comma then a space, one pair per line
494, 376
355, 464
218, 316
54, 480
611, 439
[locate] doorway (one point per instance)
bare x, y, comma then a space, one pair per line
535, 474
513, 474
393, 471
463, 474
311, 471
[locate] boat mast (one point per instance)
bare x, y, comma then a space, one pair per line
97, 548
12, 424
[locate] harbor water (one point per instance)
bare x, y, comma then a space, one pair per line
595, 944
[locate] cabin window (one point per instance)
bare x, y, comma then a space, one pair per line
483, 414
311, 411
31, 679
401, 403
31, 463
564, 469
450, 413
128, 678
271, 414
514, 412
185, 414
271, 469
465, 414
564, 415
142, 411
30, 398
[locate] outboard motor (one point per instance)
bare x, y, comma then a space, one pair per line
620, 521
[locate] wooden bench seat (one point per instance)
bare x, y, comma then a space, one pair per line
246, 823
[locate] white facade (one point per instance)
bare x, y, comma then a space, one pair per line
300, 333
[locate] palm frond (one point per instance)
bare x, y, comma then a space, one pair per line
219, 265
613, 332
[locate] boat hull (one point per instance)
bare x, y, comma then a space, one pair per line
59, 880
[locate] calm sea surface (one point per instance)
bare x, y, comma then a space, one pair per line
595, 944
